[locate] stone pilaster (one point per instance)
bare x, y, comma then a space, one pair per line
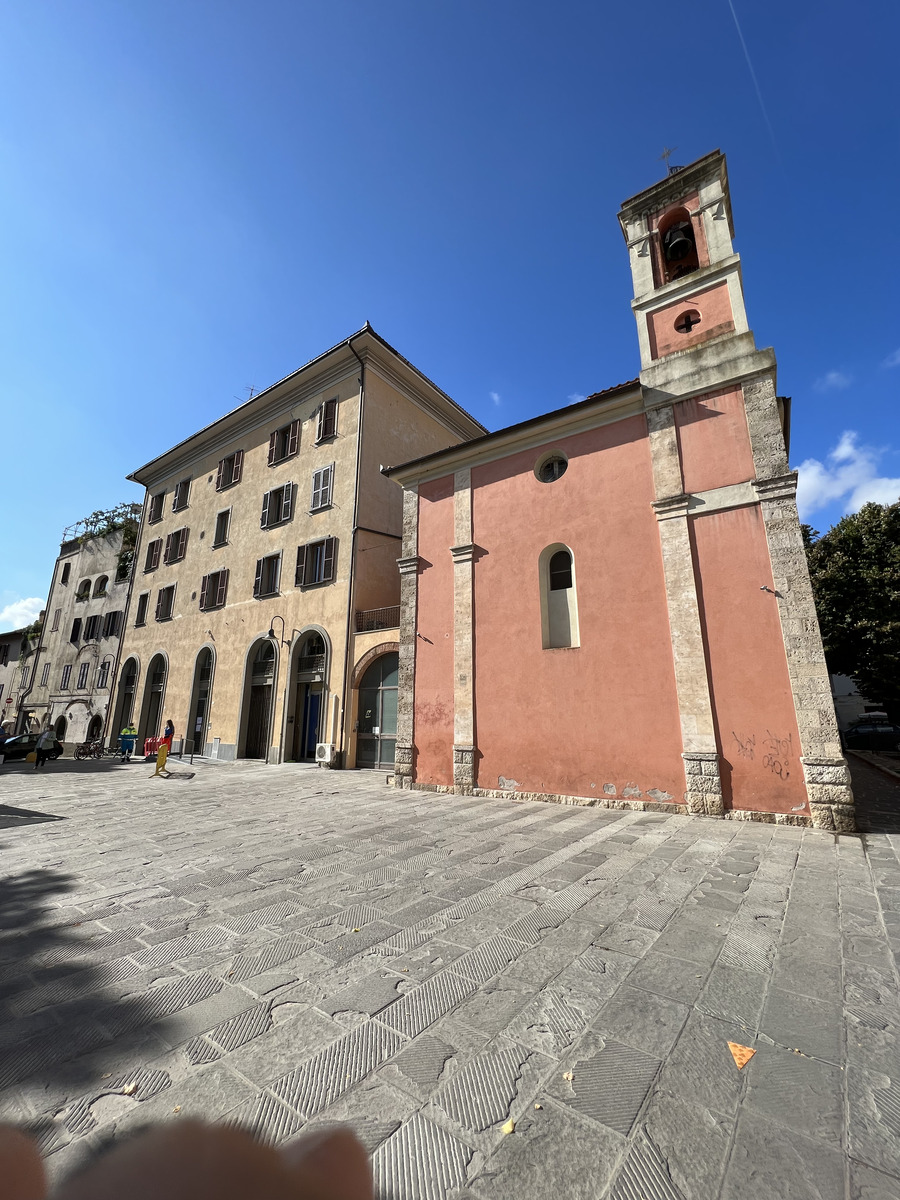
703, 791
825, 770
463, 664
409, 604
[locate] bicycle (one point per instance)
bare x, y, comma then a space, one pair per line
88, 750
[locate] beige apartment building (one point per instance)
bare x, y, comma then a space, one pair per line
69, 676
264, 613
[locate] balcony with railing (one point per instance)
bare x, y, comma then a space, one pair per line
378, 618
310, 662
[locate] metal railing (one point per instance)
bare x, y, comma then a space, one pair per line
378, 618
311, 662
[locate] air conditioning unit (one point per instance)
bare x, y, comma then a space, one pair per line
325, 753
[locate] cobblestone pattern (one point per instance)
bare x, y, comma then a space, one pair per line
283, 948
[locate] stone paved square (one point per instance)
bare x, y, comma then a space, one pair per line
285, 947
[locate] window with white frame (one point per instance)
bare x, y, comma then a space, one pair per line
103, 675
315, 562
83, 669
45, 675
165, 603
284, 443
277, 506
268, 570
321, 488
66, 676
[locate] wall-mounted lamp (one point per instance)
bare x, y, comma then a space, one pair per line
271, 632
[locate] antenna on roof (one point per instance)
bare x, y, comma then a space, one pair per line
251, 392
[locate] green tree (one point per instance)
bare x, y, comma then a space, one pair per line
855, 572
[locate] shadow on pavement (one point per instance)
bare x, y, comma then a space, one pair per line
877, 798
66, 766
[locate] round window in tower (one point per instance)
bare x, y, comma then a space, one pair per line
687, 320
549, 468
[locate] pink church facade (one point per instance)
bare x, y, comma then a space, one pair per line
609, 604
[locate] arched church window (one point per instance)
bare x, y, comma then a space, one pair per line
559, 605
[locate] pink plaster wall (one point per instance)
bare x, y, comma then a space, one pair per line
714, 440
433, 720
754, 710
572, 720
714, 306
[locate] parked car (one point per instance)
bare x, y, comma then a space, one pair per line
872, 735
19, 747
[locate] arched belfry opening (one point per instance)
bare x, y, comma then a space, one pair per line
678, 246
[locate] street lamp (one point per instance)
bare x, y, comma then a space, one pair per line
271, 632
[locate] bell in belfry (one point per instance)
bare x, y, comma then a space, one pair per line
678, 242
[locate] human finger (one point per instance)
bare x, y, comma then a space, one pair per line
330, 1164
21, 1169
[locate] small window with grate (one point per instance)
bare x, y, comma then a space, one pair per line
549, 468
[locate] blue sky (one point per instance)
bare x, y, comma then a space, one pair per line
200, 196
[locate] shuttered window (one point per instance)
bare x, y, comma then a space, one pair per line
66, 572
278, 506
56, 615
267, 572
316, 562
153, 551
165, 603
223, 520
66, 676
103, 675
182, 493
141, 614
327, 426
45, 675
83, 675
176, 546
92, 628
155, 511
230, 470
111, 624
75, 635
284, 443
213, 590
321, 488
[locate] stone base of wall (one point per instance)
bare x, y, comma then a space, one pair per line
732, 814
830, 795
464, 770
703, 794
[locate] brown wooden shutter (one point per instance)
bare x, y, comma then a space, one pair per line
159, 600
327, 420
273, 446
221, 468
221, 588
257, 583
168, 553
287, 503
238, 466
264, 519
182, 541
300, 574
204, 583
329, 557
294, 437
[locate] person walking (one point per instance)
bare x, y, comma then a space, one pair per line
44, 747
127, 738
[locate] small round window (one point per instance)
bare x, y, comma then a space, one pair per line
551, 467
686, 321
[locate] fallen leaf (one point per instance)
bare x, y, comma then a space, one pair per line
129, 1089
177, 1108
539, 1106
510, 1126
570, 1075
356, 931
108, 1075
740, 1054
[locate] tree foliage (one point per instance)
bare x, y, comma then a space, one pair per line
855, 572
105, 521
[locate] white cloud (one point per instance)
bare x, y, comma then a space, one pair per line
20, 612
576, 397
892, 360
495, 396
849, 475
832, 381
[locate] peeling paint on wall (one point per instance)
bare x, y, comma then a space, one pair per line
508, 785
656, 794
609, 789
631, 791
